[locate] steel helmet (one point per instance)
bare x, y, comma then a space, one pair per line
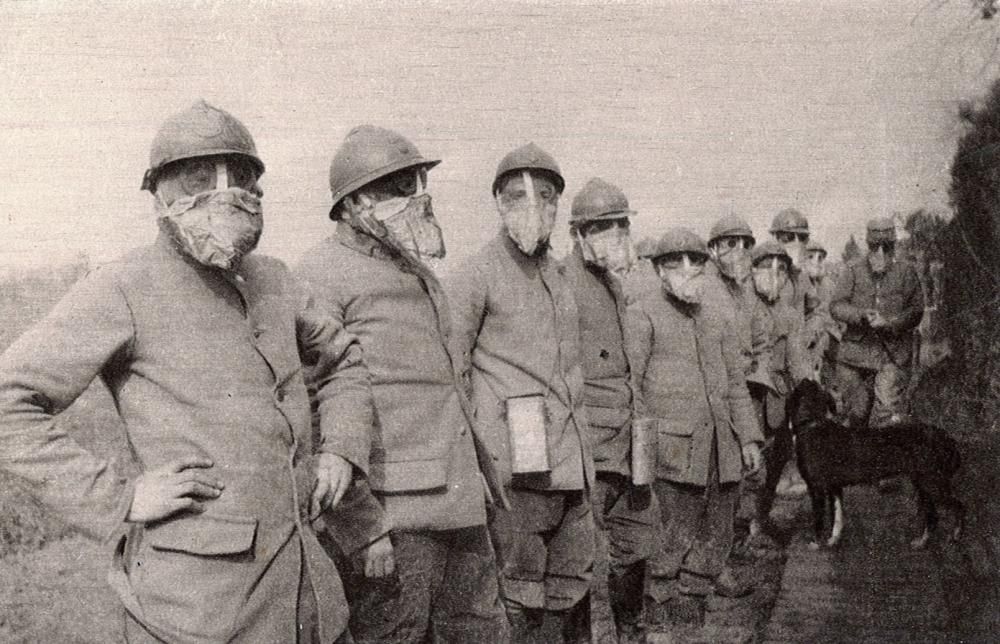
770, 248
599, 200
529, 157
679, 240
201, 130
645, 248
789, 220
730, 226
368, 153
881, 229
814, 246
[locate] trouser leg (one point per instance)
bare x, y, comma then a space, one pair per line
466, 604
855, 386
713, 542
681, 507
627, 520
520, 536
378, 610
890, 393
778, 453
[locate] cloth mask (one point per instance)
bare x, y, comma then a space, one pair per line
609, 249
216, 227
407, 224
878, 261
685, 282
768, 280
796, 251
734, 263
815, 267
528, 221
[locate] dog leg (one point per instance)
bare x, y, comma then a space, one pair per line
958, 512
818, 499
838, 519
925, 499
919, 543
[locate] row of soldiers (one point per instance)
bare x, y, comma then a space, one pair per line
354, 451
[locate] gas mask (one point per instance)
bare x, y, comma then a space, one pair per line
683, 278
814, 266
405, 223
880, 255
215, 227
795, 245
529, 220
732, 256
769, 277
609, 249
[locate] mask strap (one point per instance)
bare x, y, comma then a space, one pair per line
221, 176
529, 186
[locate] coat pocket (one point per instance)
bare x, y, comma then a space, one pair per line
205, 535
191, 575
409, 476
673, 450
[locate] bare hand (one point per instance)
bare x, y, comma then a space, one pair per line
171, 488
379, 560
333, 476
877, 321
752, 458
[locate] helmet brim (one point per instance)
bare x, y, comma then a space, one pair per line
151, 175
380, 172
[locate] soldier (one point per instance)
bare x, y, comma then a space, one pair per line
822, 333
599, 225
787, 365
880, 301
686, 355
730, 243
516, 324
790, 228
426, 467
199, 341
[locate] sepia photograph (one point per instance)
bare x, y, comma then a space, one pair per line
543, 321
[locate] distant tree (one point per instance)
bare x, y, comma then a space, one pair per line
851, 250
926, 235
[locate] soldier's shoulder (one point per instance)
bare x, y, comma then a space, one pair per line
137, 265
325, 257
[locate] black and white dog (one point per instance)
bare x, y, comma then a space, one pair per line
832, 456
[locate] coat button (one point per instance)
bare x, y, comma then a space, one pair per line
256, 333
280, 395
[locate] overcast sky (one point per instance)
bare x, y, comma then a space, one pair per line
842, 109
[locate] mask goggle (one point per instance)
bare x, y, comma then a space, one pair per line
399, 184
607, 227
414, 187
530, 192
195, 176
887, 247
785, 237
775, 266
725, 244
689, 262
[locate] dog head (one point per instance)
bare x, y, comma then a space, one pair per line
809, 402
